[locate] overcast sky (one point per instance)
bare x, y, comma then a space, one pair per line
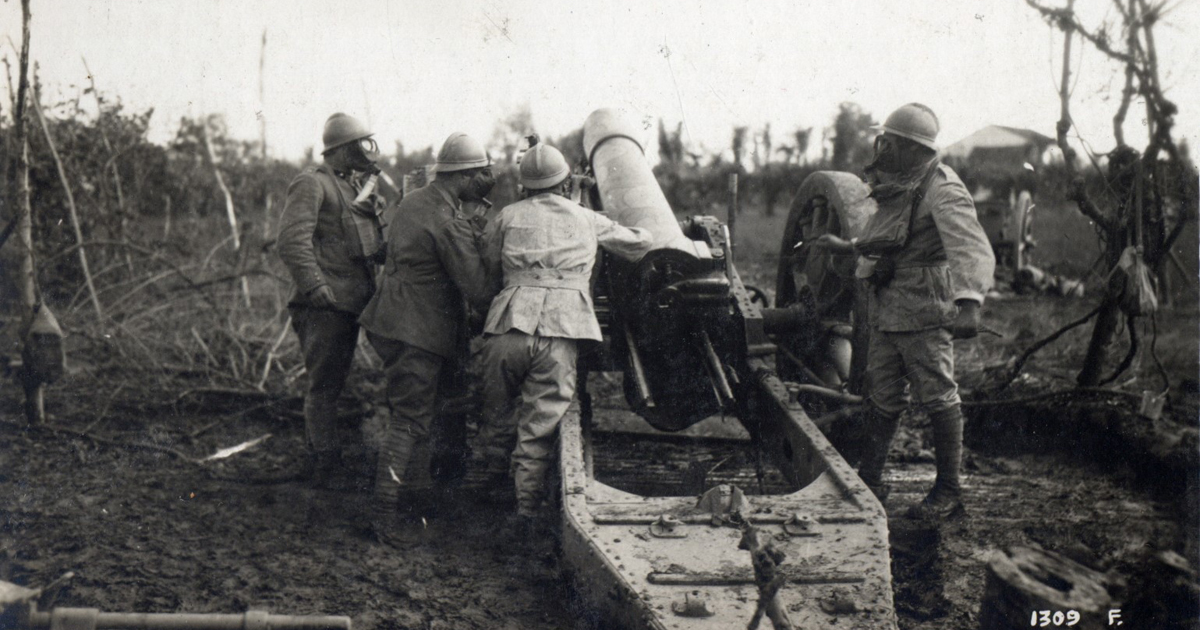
419, 70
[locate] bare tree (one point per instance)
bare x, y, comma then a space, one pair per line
851, 138
26, 279
508, 134
230, 213
122, 211
802, 137
72, 211
262, 101
1145, 202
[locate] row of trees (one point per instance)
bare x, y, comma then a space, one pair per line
695, 180
129, 189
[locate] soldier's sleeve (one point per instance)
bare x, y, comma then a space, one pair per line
457, 244
492, 248
968, 252
296, 227
628, 243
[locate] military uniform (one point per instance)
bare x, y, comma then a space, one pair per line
544, 247
414, 323
313, 247
947, 258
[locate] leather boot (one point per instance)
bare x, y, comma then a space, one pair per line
418, 478
945, 499
394, 456
529, 479
880, 430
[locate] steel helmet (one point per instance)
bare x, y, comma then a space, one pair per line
915, 122
543, 167
343, 129
461, 152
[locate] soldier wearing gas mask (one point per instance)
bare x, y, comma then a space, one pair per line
415, 320
928, 264
330, 241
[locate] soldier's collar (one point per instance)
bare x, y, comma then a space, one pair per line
340, 174
455, 202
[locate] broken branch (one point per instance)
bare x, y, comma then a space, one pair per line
72, 212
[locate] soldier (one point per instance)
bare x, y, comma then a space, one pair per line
321, 244
544, 246
929, 264
414, 322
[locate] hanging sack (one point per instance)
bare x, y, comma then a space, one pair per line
1136, 288
42, 353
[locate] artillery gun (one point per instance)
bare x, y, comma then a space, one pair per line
692, 341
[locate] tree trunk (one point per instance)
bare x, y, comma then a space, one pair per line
26, 279
1023, 582
1107, 322
262, 101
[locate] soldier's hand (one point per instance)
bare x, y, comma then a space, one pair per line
966, 324
370, 205
833, 243
322, 297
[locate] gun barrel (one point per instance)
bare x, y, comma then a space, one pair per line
629, 193
92, 618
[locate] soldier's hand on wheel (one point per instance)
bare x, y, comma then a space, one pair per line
833, 242
322, 297
966, 324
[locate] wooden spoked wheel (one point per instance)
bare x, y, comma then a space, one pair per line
813, 278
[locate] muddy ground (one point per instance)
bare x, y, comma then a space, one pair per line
145, 526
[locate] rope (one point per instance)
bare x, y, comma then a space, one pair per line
1077, 392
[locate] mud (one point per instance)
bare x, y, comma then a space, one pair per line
145, 530
1108, 514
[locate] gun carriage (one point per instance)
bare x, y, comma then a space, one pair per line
693, 341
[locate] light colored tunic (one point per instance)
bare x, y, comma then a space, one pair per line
545, 248
947, 258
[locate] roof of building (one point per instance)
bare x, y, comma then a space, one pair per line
997, 137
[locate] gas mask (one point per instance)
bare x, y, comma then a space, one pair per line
887, 155
479, 186
362, 155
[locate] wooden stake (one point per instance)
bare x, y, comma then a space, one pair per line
74, 214
229, 211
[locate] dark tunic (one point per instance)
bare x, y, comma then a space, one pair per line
433, 263
312, 245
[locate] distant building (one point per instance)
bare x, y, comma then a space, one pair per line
997, 150
998, 166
